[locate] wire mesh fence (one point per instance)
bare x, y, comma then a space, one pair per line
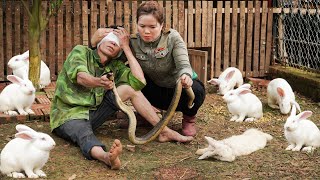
297, 33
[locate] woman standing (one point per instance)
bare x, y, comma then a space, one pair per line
163, 57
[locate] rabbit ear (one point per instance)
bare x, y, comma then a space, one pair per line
243, 91
294, 103
27, 135
15, 79
247, 86
229, 75
280, 92
293, 111
25, 54
214, 81
206, 155
212, 142
21, 127
304, 115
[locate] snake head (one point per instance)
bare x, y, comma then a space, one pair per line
109, 75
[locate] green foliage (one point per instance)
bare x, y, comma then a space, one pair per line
54, 6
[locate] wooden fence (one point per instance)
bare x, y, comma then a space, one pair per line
237, 33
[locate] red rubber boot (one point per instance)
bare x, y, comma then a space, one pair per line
189, 125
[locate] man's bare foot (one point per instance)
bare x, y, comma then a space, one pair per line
171, 135
114, 153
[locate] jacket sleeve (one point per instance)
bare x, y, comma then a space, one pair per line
180, 54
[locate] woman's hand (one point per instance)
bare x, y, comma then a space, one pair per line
186, 81
123, 37
99, 35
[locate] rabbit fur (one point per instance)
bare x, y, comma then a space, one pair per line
17, 96
20, 67
27, 152
301, 132
227, 80
242, 103
280, 95
228, 149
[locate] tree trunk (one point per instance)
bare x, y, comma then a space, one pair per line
34, 44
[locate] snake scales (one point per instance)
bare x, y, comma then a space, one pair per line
151, 135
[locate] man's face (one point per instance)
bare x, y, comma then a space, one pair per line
109, 49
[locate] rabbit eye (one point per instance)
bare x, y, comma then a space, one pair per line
43, 139
16, 59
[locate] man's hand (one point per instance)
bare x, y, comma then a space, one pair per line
99, 35
186, 81
106, 82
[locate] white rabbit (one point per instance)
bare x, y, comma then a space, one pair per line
228, 149
20, 67
28, 153
227, 80
17, 96
242, 103
301, 132
281, 96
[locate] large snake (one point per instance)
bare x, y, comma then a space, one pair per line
156, 130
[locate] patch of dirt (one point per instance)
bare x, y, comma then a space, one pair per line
177, 160
175, 173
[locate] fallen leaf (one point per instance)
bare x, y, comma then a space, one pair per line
72, 177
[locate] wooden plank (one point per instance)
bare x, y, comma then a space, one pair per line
160, 3
76, 24
111, 12
85, 28
269, 40
198, 61
17, 28
119, 13
43, 38
93, 18
2, 61
249, 40
175, 17
127, 13
263, 38
9, 35
52, 46
218, 39
204, 24
234, 34
69, 31
213, 43
102, 13
256, 41
60, 39
242, 30
190, 24
181, 21
168, 12
134, 17
198, 24
209, 23
226, 32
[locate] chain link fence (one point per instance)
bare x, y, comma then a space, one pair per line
297, 33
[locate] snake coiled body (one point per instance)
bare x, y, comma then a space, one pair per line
151, 135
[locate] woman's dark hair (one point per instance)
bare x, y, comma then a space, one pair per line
151, 7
